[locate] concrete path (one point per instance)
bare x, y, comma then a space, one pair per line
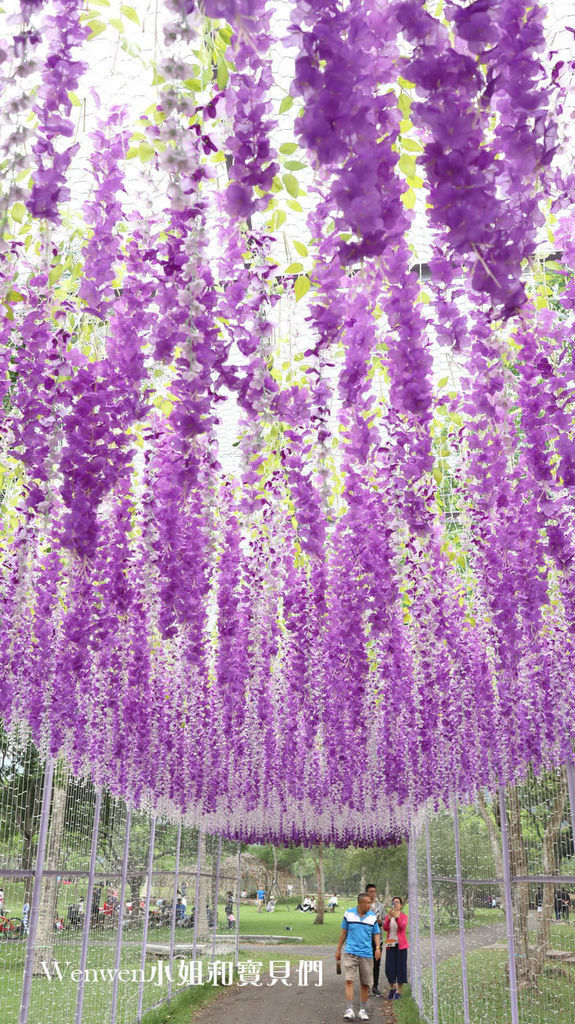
298, 1004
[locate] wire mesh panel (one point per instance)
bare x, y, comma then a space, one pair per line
540, 839
21, 787
504, 881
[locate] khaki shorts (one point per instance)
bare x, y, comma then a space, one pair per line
352, 964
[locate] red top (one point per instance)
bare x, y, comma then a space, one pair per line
402, 942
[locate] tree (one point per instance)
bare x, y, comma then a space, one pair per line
320, 885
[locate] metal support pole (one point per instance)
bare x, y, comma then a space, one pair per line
88, 906
199, 866
413, 965
174, 902
146, 917
114, 1007
216, 893
571, 790
459, 883
414, 914
36, 891
508, 909
238, 890
431, 923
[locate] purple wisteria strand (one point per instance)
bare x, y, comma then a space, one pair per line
487, 206
389, 560
60, 76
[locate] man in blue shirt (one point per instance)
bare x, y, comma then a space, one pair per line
360, 932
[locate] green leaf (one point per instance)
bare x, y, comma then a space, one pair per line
223, 75
294, 268
408, 199
14, 297
294, 205
300, 247
411, 144
130, 14
96, 28
294, 165
285, 104
74, 99
18, 212
407, 165
404, 104
117, 23
290, 184
145, 152
288, 147
55, 273
301, 287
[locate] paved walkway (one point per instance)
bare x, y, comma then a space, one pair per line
278, 1004
475, 938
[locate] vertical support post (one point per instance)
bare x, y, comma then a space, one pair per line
199, 866
146, 918
216, 893
431, 922
571, 791
414, 915
413, 965
238, 890
36, 892
174, 902
460, 910
114, 1007
88, 906
508, 909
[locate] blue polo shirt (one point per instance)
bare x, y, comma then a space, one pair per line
359, 932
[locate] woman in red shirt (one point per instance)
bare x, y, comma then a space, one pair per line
396, 947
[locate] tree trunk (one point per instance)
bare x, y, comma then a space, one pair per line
494, 840
204, 891
520, 891
320, 885
45, 934
550, 867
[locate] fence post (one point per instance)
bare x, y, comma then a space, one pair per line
414, 915
36, 891
88, 906
461, 914
508, 909
431, 922
216, 892
146, 917
114, 1007
174, 902
199, 866
571, 791
238, 890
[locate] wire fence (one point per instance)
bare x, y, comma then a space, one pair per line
105, 912
492, 900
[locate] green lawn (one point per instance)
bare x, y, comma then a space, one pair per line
282, 920
489, 990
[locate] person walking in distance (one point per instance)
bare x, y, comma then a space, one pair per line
359, 930
396, 947
377, 907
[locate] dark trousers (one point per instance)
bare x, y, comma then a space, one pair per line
376, 968
396, 965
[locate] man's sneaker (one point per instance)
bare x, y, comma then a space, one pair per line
363, 1015
397, 995
349, 1014
375, 991
391, 993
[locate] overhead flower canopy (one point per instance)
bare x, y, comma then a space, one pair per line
287, 372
